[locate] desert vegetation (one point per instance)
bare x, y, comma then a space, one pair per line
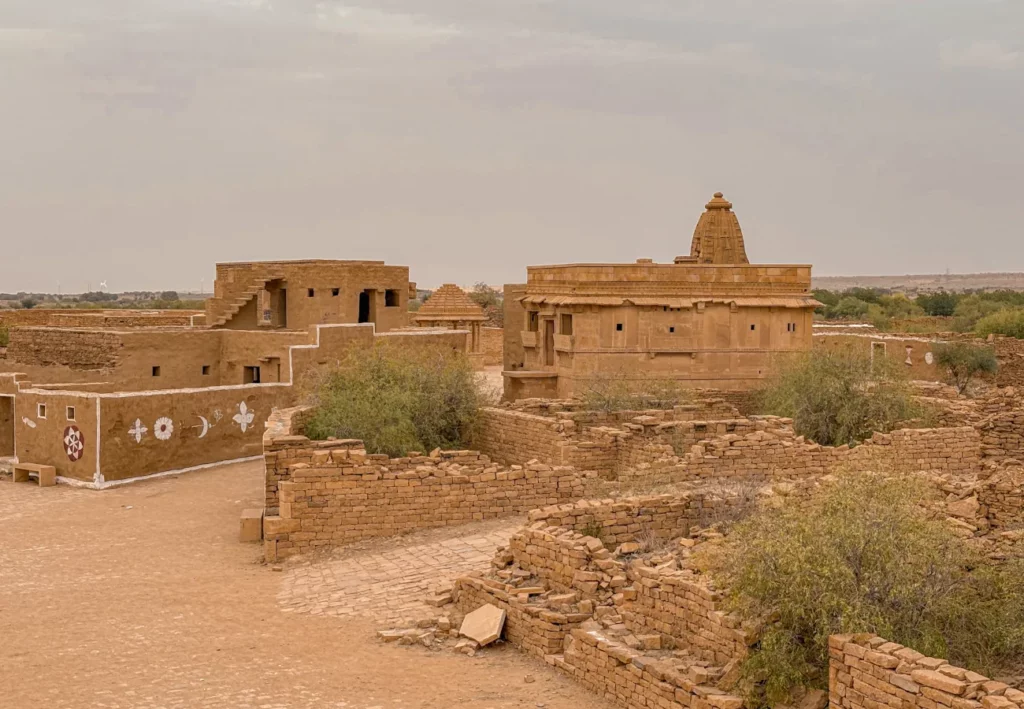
396, 400
865, 554
964, 361
623, 391
840, 396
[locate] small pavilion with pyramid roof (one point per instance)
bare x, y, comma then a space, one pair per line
450, 307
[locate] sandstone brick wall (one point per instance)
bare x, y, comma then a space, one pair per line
346, 495
868, 672
1001, 498
535, 629
492, 344
53, 317
515, 437
1010, 352
625, 676
77, 349
1002, 435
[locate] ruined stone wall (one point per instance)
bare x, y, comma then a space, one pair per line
1001, 498
867, 672
1002, 435
53, 317
76, 349
346, 495
624, 675
536, 630
1010, 352
515, 437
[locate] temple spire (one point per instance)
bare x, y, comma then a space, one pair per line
718, 238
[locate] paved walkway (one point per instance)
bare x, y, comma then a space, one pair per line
141, 597
389, 580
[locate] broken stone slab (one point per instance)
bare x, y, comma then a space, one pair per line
484, 625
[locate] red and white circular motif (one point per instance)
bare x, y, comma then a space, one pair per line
74, 443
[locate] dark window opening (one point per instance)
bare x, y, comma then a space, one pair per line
532, 321
41, 411
251, 375
672, 329
156, 371
391, 298
566, 325
618, 327
310, 292
206, 369
335, 292
71, 413
753, 327
364, 306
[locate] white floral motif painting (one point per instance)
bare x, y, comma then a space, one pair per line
163, 428
244, 417
138, 431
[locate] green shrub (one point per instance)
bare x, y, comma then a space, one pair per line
5, 336
864, 556
1009, 322
973, 308
619, 391
396, 400
840, 396
963, 361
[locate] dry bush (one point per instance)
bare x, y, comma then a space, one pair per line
841, 396
864, 555
623, 391
396, 399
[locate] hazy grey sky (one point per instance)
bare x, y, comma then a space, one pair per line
141, 141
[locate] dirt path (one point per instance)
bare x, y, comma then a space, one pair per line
141, 597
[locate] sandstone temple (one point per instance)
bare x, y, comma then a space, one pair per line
710, 319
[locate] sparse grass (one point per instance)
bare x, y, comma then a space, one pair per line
621, 391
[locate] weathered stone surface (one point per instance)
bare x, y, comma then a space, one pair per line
937, 680
483, 625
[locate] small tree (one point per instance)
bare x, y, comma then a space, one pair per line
941, 303
622, 391
28, 303
492, 302
840, 396
963, 361
864, 556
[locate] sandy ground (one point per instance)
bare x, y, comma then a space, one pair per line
142, 597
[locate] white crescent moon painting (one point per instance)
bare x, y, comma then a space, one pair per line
206, 427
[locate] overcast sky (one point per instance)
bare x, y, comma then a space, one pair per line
142, 141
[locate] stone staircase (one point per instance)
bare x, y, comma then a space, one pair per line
227, 308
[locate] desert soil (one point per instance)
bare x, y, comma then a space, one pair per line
142, 597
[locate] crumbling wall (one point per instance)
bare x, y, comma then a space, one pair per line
76, 349
867, 672
345, 495
1002, 435
515, 437
54, 317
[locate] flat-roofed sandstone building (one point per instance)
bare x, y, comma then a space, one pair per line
295, 295
710, 319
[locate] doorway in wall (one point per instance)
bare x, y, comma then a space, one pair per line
251, 375
549, 343
368, 306
6, 426
282, 305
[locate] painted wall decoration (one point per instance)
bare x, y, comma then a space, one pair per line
244, 417
929, 358
74, 443
205, 426
163, 428
28, 422
137, 431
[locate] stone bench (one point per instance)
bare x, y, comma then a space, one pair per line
45, 474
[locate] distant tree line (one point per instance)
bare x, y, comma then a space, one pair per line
997, 312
